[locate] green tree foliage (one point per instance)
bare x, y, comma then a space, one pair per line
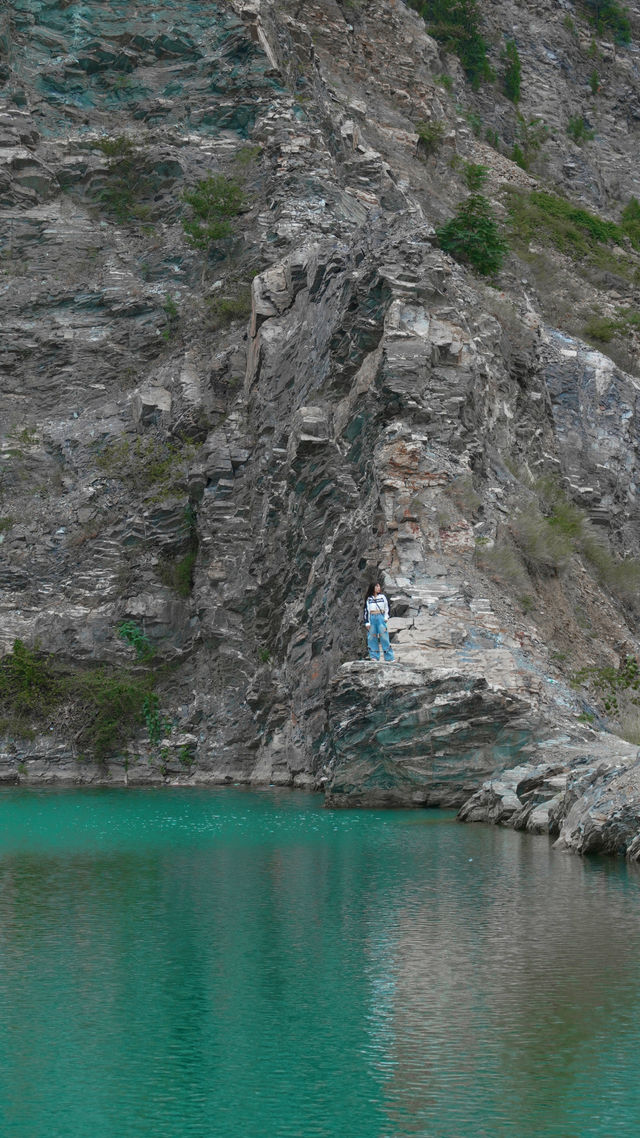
512, 73
213, 203
456, 25
518, 156
475, 176
609, 17
630, 222
530, 136
430, 135
578, 130
127, 181
101, 708
473, 236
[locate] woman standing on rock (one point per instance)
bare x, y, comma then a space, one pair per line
376, 615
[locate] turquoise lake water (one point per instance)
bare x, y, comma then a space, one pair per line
231, 964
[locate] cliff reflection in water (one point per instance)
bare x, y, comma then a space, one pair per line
508, 983
225, 963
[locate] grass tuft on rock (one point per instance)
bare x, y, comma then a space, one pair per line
127, 182
99, 709
156, 466
213, 202
546, 219
430, 135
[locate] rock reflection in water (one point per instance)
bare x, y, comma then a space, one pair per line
225, 963
498, 985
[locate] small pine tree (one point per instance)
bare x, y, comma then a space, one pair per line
512, 75
518, 156
610, 16
475, 175
456, 25
473, 236
530, 136
579, 131
630, 222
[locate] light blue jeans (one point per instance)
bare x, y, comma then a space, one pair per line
377, 638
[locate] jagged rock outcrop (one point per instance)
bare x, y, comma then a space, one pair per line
219, 449
585, 795
407, 735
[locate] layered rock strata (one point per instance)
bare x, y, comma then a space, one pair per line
324, 399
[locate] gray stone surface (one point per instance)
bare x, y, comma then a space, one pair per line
402, 735
587, 797
376, 410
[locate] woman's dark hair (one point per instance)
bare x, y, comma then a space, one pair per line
370, 590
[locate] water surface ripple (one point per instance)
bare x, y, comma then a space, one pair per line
229, 964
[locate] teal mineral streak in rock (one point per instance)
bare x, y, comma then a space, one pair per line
237, 118
79, 60
508, 748
354, 428
70, 91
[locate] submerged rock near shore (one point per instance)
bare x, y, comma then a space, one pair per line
210, 446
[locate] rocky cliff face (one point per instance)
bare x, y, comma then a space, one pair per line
207, 454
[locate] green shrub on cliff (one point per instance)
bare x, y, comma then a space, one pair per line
474, 237
617, 691
603, 329
100, 708
579, 131
133, 635
213, 202
546, 548
430, 135
29, 688
127, 182
233, 302
456, 25
156, 466
550, 529
630, 222
530, 136
177, 573
512, 73
609, 17
112, 704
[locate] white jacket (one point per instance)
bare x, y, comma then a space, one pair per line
376, 606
